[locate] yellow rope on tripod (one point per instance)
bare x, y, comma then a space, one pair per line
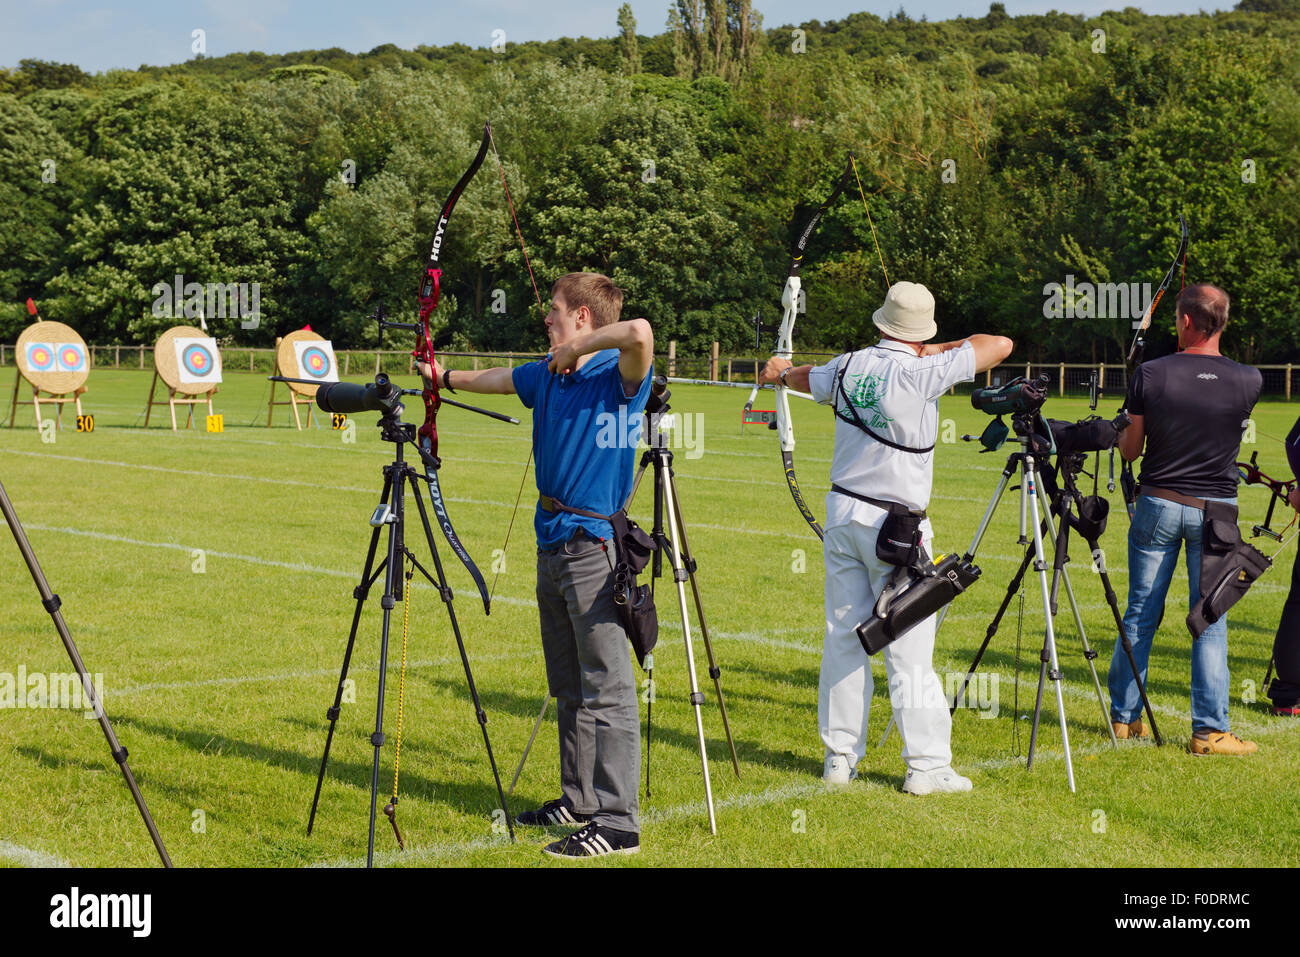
401, 684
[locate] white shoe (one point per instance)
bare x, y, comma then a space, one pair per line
838, 770
938, 781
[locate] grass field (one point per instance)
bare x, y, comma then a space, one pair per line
218, 680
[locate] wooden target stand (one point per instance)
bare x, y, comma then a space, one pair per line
286, 364
166, 368
55, 388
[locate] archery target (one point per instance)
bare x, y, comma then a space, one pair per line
40, 357
71, 357
52, 357
316, 360
197, 360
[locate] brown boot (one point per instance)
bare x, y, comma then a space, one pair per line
1134, 729
1220, 742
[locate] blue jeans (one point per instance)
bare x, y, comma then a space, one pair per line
1156, 534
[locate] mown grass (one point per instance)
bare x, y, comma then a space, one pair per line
218, 680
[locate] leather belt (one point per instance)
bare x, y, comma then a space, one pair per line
1172, 496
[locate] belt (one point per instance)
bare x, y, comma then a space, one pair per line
550, 503
878, 502
1172, 496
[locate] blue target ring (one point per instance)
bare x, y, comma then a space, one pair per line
197, 360
316, 362
40, 359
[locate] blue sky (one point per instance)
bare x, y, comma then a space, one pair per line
100, 36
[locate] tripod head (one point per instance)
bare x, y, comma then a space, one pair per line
656, 407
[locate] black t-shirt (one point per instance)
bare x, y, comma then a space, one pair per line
1293, 449
1195, 408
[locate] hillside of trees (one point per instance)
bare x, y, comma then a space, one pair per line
997, 155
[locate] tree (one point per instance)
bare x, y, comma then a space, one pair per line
629, 53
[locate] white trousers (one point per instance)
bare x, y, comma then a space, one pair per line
854, 577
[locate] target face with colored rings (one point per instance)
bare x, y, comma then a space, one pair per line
40, 358
316, 362
197, 360
72, 358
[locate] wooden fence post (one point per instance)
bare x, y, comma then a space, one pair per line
713, 361
1288, 382
672, 357
1061, 392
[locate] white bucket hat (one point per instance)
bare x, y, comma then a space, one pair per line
908, 313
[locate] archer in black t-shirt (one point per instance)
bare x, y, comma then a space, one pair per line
1188, 413
1200, 405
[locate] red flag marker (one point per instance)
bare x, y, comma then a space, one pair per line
31, 307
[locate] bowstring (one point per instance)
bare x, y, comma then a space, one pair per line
518, 232
541, 309
874, 237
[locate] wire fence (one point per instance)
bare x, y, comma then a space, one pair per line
1066, 378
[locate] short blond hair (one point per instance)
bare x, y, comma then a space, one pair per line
603, 299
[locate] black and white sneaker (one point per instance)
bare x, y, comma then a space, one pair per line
550, 814
595, 841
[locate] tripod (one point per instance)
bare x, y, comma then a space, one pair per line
51, 603
1034, 489
675, 544
391, 512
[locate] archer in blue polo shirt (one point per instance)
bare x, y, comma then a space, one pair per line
587, 398
585, 434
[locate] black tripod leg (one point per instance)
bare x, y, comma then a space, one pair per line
51, 603
360, 593
1043, 660
993, 628
392, 584
688, 561
445, 593
1127, 645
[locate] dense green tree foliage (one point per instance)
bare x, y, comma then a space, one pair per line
998, 156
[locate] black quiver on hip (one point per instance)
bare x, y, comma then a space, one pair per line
1228, 567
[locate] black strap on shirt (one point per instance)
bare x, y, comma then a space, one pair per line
856, 419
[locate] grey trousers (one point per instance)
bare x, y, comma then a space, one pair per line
589, 672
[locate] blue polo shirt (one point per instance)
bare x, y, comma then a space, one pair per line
585, 434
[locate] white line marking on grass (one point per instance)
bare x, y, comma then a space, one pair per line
29, 857
754, 637
393, 663
234, 477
